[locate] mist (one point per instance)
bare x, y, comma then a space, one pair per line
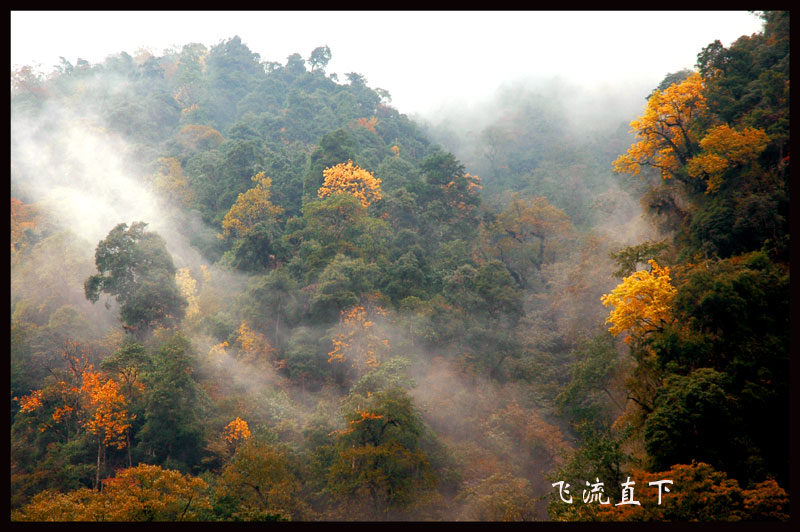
407, 356
68, 162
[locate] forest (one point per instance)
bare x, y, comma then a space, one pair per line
245, 290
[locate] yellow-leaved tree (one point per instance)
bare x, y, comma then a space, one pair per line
723, 148
352, 179
170, 182
641, 302
667, 133
253, 346
141, 493
251, 209
188, 287
357, 341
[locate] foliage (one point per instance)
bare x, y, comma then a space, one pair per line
261, 479
335, 289
251, 209
699, 492
143, 493
667, 130
380, 470
136, 269
641, 302
723, 148
345, 177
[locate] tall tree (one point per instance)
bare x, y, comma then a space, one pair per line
136, 269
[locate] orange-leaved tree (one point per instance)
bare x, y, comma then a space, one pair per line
351, 179
142, 493
83, 399
668, 132
698, 492
238, 429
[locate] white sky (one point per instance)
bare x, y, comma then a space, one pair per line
425, 59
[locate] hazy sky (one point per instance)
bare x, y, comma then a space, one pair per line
423, 58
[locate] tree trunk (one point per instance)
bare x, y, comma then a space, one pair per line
97, 473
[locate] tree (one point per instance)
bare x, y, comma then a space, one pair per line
272, 303
500, 497
695, 419
251, 209
357, 340
724, 148
238, 429
342, 284
339, 224
136, 269
196, 137
699, 492
128, 363
641, 302
668, 131
82, 399
24, 220
630, 257
439, 168
522, 233
109, 419
171, 183
141, 493
334, 148
262, 480
319, 58
379, 468
595, 368
353, 180
172, 432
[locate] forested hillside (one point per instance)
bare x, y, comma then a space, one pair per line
246, 290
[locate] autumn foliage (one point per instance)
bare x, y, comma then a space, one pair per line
641, 302
357, 341
724, 148
142, 493
699, 493
84, 397
666, 133
238, 429
353, 180
251, 209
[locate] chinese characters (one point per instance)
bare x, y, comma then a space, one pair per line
596, 493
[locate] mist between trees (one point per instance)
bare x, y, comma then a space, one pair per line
247, 290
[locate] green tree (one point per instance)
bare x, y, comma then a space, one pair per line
172, 432
319, 58
136, 269
380, 469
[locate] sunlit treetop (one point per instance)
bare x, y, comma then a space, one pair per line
236, 430
251, 209
723, 148
352, 179
667, 132
642, 302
